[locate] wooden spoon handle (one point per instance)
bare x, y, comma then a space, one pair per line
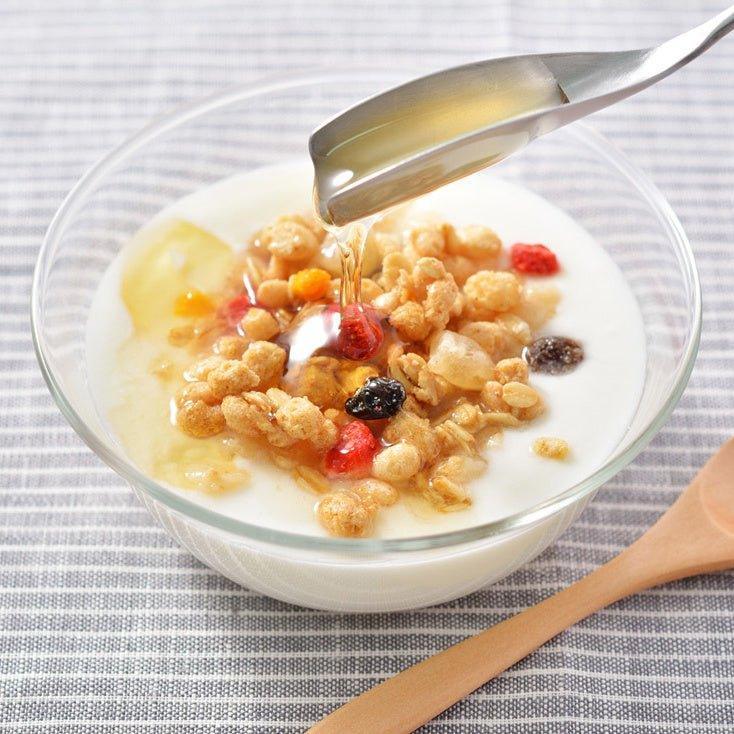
416, 695
696, 535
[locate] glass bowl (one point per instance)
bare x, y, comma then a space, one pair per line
252, 126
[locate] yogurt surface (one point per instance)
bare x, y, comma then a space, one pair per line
590, 407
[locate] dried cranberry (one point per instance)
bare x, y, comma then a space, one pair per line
235, 309
533, 259
553, 354
353, 452
380, 397
360, 334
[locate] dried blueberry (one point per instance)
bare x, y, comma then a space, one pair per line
379, 397
553, 354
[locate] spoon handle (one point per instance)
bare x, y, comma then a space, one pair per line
682, 543
416, 695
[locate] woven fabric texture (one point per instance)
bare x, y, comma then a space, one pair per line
107, 626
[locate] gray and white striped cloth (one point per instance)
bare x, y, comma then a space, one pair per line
107, 626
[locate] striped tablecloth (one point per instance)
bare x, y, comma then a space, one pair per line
107, 626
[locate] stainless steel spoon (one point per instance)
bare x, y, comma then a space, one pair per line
423, 134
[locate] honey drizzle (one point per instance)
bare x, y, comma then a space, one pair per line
351, 242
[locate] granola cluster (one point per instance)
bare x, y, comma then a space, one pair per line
447, 319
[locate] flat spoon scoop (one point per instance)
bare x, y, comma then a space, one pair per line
695, 536
421, 135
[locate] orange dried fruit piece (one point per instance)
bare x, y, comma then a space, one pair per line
353, 378
310, 284
192, 304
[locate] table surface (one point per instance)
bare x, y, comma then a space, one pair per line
107, 626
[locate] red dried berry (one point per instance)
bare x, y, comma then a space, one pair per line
353, 451
533, 259
235, 309
360, 334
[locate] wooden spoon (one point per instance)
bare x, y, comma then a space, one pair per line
696, 535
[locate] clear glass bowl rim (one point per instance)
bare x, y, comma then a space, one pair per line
495, 529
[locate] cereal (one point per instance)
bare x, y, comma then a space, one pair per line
517, 329
468, 416
303, 420
452, 437
376, 494
417, 378
344, 514
231, 377
201, 369
266, 360
446, 495
490, 291
318, 380
251, 415
290, 238
489, 335
426, 241
460, 468
439, 302
370, 290
405, 390
511, 370
280, 269
501, 418
538, 304
518, 395
413, 430
409, 319
281, 419
475, 242
311, 479
198, 413
460, 267
491, 397
259, 325
397, 463
551, 448
427, 270
392, 265
273, 293
230, 347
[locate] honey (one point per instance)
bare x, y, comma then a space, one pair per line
349, 157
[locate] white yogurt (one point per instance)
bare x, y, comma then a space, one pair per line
590, 407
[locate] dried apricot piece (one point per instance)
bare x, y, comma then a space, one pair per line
192, 304
310, 284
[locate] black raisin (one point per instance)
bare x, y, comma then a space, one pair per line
553, 355
379, 397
